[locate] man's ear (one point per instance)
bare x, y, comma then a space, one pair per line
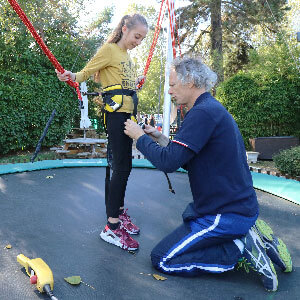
124, 28
190, 85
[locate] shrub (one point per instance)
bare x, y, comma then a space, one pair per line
288, 161
240, 95
25, 107
260, 106
264, 99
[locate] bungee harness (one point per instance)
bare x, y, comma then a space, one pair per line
113, 99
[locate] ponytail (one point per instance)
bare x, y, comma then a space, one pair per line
130, 21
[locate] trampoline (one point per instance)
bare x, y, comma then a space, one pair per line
57, 214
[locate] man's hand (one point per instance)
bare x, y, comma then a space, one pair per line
133, 130
157, 136
152, 132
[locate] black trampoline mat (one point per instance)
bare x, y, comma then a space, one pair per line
59, 219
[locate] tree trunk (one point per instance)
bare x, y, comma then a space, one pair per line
216, 39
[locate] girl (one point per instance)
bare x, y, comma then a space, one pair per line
114, 69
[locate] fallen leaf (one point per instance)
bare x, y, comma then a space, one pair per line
8, 246
73, 280
158, 277
49, 177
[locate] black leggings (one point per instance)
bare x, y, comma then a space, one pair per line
121, 146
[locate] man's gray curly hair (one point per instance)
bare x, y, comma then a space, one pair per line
193, 70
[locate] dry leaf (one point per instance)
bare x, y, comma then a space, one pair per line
73, 280
8, 246
158, 277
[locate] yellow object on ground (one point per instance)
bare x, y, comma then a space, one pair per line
40, 269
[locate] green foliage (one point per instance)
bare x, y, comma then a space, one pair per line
29, 88
240, 95
200, 29
236, 59
262, 107
151, 96
288, 161
25, 106
265, 99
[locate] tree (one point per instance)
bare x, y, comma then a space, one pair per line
265, 99
229, 24
29, 89
216, 38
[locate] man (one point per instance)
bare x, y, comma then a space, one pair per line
146, 120
218, 227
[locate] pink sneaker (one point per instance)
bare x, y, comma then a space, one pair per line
119, 237
127, 224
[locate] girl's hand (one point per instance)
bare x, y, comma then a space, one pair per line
67, 75
139, 82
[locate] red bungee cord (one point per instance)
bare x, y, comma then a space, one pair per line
154, 41
43, 46
171, 18
157, 31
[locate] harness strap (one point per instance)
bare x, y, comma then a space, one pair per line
107, 95
169, 183
125, 92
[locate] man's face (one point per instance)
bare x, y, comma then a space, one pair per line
177, 90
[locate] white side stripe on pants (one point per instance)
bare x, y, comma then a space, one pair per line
184, 244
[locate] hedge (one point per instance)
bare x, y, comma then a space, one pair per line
25, 107
262, 107
288, 161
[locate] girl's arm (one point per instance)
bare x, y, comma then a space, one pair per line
100, 60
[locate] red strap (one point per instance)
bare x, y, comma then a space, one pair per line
172, 17
41, 43
154, 41
155, 37
157, 31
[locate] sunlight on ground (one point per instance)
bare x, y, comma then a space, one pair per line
2, 186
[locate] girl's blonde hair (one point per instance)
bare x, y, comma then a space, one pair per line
130, 21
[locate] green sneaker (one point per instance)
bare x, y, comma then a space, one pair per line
275, 247
256, 258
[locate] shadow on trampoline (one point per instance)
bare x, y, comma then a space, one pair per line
57, 214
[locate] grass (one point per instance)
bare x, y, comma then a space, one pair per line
265, 164
23, 157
